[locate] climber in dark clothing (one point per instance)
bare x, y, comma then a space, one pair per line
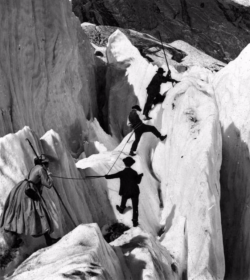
129, 188
139, 128
153, 90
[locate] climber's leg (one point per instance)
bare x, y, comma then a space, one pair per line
123, 204
159, 99
148, 105
152, 129
138, 134
135, 202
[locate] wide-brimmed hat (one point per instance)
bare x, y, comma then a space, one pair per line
161, 70
128, 161
136, 107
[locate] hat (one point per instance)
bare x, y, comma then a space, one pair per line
136, 107
128, 161
160, 70
41, 160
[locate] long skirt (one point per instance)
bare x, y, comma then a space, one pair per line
24, 215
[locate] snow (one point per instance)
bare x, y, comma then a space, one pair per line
83, 253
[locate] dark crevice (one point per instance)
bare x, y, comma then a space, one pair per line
94, 11
184, 12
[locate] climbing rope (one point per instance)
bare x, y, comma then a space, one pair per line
138, 125
73, 178
87, 177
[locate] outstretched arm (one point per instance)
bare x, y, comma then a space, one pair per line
113, 176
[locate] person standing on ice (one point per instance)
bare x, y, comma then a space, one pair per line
25, 210
153, 90
129, 181
139, 128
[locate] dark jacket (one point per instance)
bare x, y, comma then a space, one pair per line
155, 84
134, 118
129, 179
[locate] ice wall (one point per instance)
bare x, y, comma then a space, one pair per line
47, 71
188, 167
231, 87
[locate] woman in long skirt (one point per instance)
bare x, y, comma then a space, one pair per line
25, 210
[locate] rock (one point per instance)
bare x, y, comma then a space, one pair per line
84, 254
195, 57
47, 71
145, 257
179, 53
204, 25
99, 35
231, 86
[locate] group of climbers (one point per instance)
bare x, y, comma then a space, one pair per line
129, 178
25, 210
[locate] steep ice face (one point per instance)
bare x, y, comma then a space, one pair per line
47, 71
231, 87
188, 167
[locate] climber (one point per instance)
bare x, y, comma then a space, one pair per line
139, 128
25, 210
129, 180
153, 90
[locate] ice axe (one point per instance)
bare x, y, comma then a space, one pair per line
164, 51
34, 151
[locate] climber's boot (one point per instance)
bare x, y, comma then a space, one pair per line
135, 223
119, 209
163, 137
132, 153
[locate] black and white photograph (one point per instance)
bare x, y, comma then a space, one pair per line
125, 140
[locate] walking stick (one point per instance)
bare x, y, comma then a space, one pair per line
34, 151
164, 51
53, 185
